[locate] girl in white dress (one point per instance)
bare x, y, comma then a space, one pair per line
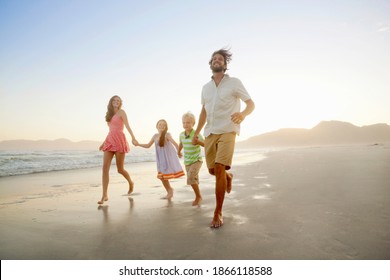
168, 164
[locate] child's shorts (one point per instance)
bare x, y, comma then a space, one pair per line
193, 172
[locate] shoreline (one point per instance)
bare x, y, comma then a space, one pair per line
292, 204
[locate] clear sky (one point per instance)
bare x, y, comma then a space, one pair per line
301, 61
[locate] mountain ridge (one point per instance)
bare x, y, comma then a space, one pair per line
324, 133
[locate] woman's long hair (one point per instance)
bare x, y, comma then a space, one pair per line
161, 141
110, 109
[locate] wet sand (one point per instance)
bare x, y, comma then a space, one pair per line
318, 203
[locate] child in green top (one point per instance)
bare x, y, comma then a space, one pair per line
192, 154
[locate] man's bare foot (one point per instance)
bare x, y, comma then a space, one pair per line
217, 221
104, 198
131, 187
197, 201
229, 178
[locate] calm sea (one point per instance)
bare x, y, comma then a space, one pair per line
27, 162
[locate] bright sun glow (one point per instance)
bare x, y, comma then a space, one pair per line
301, 62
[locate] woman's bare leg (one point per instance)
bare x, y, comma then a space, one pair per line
107, 159
120, 164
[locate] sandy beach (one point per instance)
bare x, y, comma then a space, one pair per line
315, 203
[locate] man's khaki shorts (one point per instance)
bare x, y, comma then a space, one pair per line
193, 172
219, 148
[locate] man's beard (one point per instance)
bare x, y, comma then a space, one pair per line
217, 69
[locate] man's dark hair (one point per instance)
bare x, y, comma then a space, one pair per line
227, 55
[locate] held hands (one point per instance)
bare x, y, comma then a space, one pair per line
237, 117
195, 140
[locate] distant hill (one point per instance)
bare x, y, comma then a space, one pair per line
59, 144
325, 133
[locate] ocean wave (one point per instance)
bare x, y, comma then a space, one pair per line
29, 162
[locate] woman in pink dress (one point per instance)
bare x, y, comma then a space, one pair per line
115, 144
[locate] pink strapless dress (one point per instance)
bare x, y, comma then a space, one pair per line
116, 139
